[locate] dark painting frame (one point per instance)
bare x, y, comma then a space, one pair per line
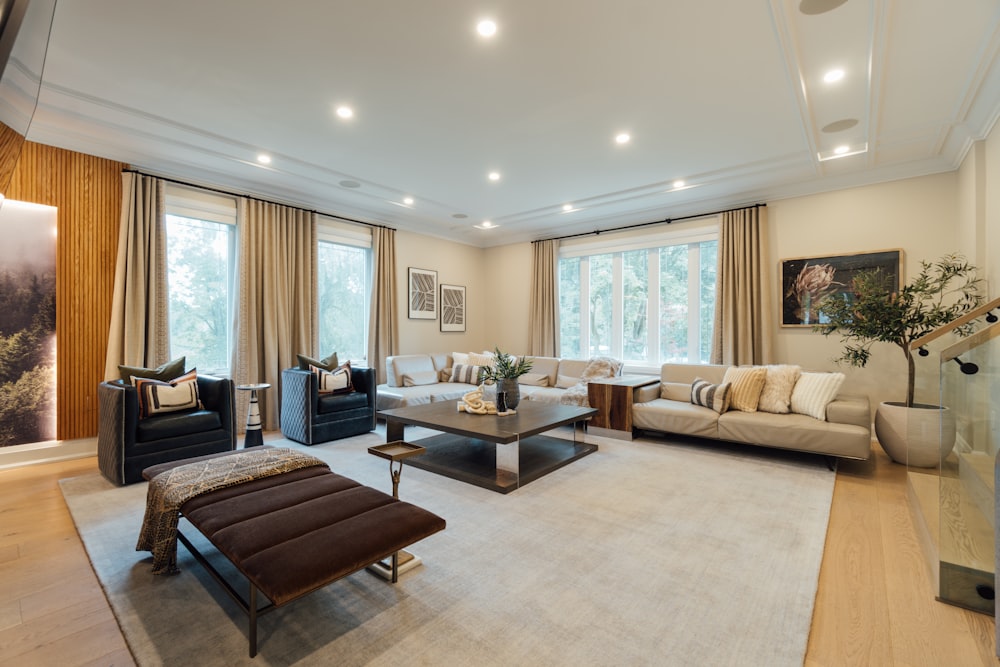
805, 281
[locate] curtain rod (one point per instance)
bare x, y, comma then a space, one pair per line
667, 221
266, 201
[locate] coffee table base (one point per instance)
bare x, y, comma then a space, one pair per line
474, 461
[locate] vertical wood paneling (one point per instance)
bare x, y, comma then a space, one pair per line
87, 192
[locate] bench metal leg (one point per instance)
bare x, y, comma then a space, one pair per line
252, 613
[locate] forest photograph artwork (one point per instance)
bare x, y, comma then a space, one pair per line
27, 323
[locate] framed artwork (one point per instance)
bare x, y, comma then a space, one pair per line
806, 281
422, 294
452, 308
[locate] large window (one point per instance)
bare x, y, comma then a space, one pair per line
201, 270
345, 271
646, 300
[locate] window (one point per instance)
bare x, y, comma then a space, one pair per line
646, 299
344, 271
201, 271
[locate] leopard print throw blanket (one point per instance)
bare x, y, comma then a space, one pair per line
171, 489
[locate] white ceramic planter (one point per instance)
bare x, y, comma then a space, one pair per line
920, 436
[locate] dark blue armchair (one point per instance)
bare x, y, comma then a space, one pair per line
310, 418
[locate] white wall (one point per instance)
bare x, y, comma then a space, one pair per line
456, 264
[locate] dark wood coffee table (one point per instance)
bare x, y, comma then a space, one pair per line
497, 453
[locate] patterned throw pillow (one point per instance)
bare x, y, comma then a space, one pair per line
328, 364
776, 396
337, 381
466, 373
708, 395
747, 382
164, 373
814, 391
157, 397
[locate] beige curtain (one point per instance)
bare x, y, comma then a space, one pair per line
276, 317
139, 334
543, 318
743, 316
383, 333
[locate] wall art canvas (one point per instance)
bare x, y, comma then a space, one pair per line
423, 294
452, 308
27, 323
806, 281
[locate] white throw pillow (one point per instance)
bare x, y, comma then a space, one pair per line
814, 391
779, 383
460, 358
481, 360
534, 379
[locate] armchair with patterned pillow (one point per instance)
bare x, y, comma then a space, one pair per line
324, 400
154, 416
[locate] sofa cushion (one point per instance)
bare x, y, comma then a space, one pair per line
329, 403
708, 395
164, 373
548, 366
460, 358
407, 364
534, 379
337, 381
776, 396
746, 382
572, 368
174, 424
565, 381
795, 431
668, 416
466, 373
420, 378
676, 391
157, 397
814, 391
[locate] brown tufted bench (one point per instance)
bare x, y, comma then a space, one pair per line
294, 533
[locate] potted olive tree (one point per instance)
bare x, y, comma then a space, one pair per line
873, 311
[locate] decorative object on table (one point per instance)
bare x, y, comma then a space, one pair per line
504, 372
254, 436
452, 308
806, 281
422, 293
875, 311
400, 561
474, 403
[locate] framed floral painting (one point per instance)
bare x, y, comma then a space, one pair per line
806, 281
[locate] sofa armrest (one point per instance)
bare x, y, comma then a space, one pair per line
846, 409
299, 395
219, 394
648, 393
118, 416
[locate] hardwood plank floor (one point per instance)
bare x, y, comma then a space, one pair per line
874, 604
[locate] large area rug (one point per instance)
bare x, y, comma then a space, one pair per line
658, 552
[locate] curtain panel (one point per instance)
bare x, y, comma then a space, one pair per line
543, 317
743, 316
276, 317
139, 333
383, 329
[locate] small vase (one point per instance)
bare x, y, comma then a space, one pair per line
511, 390
501, 402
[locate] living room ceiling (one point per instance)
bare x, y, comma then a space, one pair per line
725, 102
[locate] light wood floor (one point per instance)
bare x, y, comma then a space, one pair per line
875, 605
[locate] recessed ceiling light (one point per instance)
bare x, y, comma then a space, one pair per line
678, 184
567, 207
264, 158
345, 112
623, 138
408, 201
494, 176
833, 75
486, 28
840, 150
486, 224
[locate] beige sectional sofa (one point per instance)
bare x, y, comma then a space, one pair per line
427, 376
667, 407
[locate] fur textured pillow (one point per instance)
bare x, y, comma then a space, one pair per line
157, 397
776, 396
708, 395
747, 383
814, 391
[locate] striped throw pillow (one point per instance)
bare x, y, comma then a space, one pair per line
466, 373
157, 397
747, 383
337, 381
814, 391
708, 395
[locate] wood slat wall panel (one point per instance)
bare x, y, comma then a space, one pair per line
87, 191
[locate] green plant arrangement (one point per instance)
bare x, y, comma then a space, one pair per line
505, 367
874, 311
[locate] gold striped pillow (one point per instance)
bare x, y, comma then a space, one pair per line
747, 381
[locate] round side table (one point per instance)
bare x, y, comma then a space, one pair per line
254, 437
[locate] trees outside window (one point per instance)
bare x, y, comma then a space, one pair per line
344, 291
